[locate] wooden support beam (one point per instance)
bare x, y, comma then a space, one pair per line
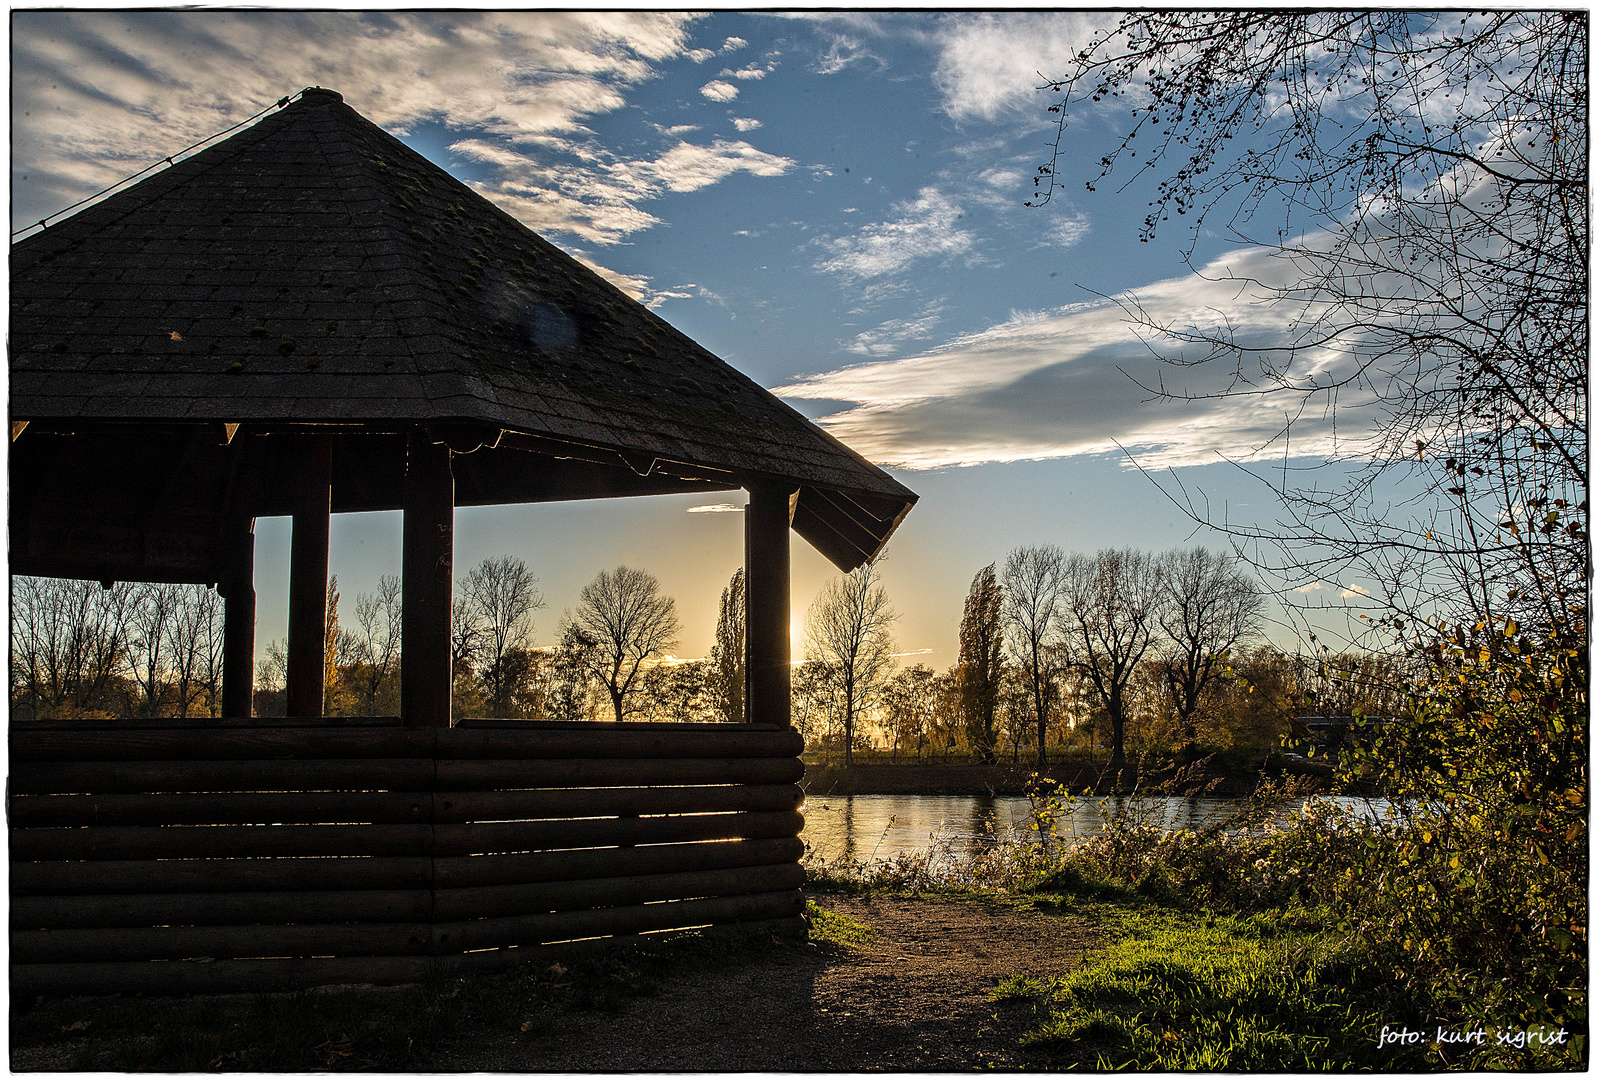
426, 677
308, 578
766, 523
237, 586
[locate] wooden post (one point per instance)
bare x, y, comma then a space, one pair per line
426, 677
766, 522
237, 586
308, 578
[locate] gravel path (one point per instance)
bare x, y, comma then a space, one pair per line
915, 999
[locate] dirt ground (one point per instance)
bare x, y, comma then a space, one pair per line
915, 999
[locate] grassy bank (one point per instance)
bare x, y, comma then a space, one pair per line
1254, 950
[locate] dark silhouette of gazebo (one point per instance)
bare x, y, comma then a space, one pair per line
310, 317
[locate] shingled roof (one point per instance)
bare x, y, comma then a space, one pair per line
313, 270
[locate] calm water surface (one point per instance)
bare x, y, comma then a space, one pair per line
867, 827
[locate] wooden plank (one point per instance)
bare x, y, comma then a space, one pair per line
218, 875
509, 900
459, 806
383, 906
234, 976
219, 842
222, 976
393, 939
639, 918
220, 744
620, 741
511, 836
591, 772
246, 875
379, 807
232, 808
133, 777
257, 841
220, 909
205, 723
192, 942
547, 866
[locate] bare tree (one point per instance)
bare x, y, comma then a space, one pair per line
1212, 606
374, 644
1031, 584
981, 663
569, 696
271, 680
1109, 610
69, 643
1431, 169
727, 656
848, 629
195, 646
630, 622
910, 701
813, 692
465, 636
679, 693
150, 617
502, 595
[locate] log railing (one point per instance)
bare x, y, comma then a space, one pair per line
170, 858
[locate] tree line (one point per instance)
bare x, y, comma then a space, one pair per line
1159, 652
1162, 652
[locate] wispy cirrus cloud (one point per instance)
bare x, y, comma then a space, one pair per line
889, 337
1065, 382
926, 227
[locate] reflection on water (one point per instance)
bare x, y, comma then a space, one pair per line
868, 827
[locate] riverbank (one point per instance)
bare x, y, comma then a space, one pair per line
928, 777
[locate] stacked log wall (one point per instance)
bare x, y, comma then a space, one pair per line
175, 858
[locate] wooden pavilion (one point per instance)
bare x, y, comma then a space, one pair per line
308, 318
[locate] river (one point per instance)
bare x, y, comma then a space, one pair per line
868, 827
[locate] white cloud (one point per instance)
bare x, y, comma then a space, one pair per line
990, 64
686, 167
733, 44
744, 74
1067, 230
719, 91
100, 94
845, 52
1353, 591
1059, 383
1313, 586
716, 508
924, 228
699, 56
744, 123
886, 339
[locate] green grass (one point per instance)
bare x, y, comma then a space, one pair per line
1182, 992
830, 928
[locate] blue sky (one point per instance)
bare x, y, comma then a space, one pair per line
833, 203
